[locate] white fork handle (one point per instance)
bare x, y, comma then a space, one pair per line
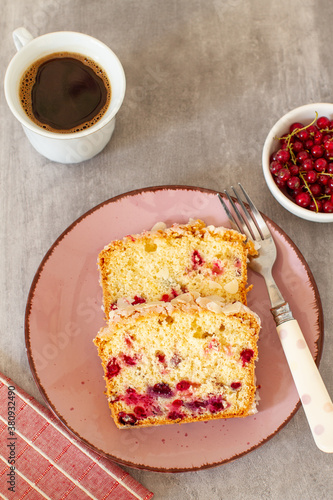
316, 401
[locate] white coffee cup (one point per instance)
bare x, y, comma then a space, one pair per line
64, 147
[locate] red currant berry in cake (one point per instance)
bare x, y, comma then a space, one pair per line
183, 385
127, 418
197, 405
236, 385
175, 415
303, 199
217, 268
246, 356
215, 404
197, 259
160, 356
112, 368
140, 412
162, 389
138, 300
131, 396
177, 403
130, 360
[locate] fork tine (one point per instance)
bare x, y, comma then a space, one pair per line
248, 219
262, 226
231, 218
240, 222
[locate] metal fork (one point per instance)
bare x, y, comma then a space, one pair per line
316, 401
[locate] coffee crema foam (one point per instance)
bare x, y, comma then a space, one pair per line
73, 94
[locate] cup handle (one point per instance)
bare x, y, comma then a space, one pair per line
21, 37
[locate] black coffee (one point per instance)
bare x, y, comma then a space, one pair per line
65, 92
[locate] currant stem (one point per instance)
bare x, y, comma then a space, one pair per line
309, 190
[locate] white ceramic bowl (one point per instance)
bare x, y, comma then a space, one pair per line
304, 114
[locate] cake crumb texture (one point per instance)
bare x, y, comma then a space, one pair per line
165, 262
180, 362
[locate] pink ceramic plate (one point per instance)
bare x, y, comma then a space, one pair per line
64, 314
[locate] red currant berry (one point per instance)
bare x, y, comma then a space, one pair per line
328, 145
307, 164
318, 137
320, 164
294, 169
284, 139
297, 191
283, 155
330, 168
294, 126
308, 144
328, 207
284, 174
312, 129
302, 155
311, 176
303, 135
317, 151
323, 122
297, 146
316, 206
294, 182
323, 180
275, 166
315, 189
279, 182
303, 199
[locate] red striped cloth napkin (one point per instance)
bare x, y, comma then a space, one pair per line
40, 459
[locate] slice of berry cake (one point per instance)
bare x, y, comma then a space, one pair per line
186, 360
165, 262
